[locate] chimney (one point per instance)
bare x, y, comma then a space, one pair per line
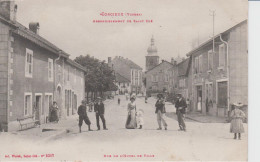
172, 60
8, 10
34, 26
162, 60
175, 62
109, 60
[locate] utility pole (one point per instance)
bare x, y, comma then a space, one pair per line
213, 14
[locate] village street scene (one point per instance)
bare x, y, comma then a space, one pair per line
191, 104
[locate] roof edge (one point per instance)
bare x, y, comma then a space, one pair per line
218, 35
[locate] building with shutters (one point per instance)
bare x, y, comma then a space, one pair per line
126, 68
33, 73
220, 76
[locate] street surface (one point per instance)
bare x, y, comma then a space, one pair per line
202, 141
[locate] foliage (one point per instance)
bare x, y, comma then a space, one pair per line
99, 77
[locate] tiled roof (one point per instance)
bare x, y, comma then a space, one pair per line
24, 32
73, 63
183, 67
37, 39
130, 63
159, 65
121, 79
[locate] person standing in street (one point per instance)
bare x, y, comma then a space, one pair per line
236, 125
54, 112
99, 109
82, 112
181, 106
160, 111
131, 116
118, 101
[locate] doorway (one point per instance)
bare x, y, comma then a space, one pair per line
199, 98
59, 100
39, 113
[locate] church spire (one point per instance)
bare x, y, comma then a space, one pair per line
152, 41
152, 50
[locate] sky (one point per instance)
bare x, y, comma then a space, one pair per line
177, 27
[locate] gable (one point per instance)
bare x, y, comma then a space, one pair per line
164, 66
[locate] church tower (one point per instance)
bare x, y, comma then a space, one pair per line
152, 59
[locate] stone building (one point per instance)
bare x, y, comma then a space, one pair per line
129, 70
123, 84
32, 72
183, 78
220, 74
157, 78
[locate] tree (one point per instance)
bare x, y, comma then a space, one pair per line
99, 77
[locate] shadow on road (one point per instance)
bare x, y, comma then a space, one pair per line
172, 115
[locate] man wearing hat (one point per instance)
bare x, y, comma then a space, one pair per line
100, 111
160, 111
181, 106
82, 112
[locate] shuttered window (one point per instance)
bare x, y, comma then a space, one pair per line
29, 63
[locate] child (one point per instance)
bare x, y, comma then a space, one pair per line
236, 125
139, 118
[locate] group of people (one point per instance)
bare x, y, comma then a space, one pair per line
99, 109
180, 105
135, 116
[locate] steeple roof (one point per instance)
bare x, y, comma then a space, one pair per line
152, 50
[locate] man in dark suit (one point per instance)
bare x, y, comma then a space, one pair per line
82, 112
99, 108
160, 111
181, 106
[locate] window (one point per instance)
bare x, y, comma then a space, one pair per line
59, 73
200, 63
209, 91
29, 63
222, 55
27, 104
154, 88
155, 78
182, 83
166, 78
82, 77
68, 77
50, 69
196, 68
136, 77
75, 75
132, 76
210, 60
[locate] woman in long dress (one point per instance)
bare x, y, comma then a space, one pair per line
236, 125
54, 112
131, 117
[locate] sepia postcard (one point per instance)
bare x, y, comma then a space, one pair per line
124, 80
